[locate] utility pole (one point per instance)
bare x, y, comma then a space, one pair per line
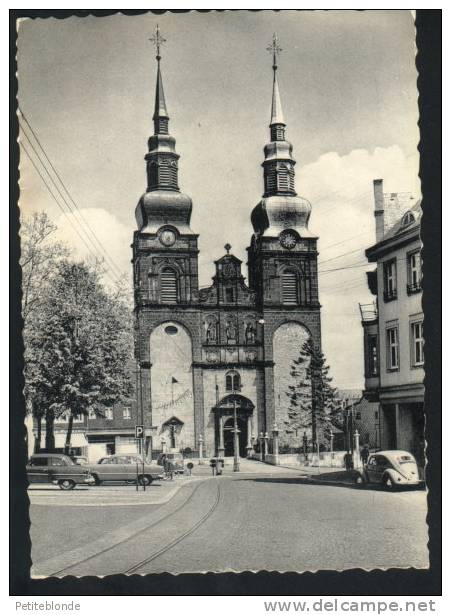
236, 463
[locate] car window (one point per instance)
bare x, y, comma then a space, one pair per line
372, 461
39, 461
121, 460
382, 462
107, 460
58, 461
405, 459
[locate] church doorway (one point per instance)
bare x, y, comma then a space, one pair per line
228, 436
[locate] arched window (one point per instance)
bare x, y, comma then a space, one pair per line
289, 288
168, 281
233, 381
408, 218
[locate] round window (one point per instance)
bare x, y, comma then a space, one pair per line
171, 330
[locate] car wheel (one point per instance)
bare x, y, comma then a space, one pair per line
359, 480
145, 480
66, 484
389, 484
97, 481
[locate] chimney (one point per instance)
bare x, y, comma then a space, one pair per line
378, 189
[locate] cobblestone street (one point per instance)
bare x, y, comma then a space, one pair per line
203, 523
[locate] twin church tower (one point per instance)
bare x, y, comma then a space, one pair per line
204, 351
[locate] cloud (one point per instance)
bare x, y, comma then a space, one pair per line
340, 190
114, 237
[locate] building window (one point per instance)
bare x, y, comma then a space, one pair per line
92, 414
233, 381
413, 272
126, 413
408, 218
373, 356
417, 343
168, 286
109, 414
289, 288
229, 295
392, 348
390, 288
64, 418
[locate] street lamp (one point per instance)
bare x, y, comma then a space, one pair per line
201, 449
265, 439
275, 435
236, 463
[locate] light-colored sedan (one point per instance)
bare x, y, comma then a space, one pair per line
391, 469
124, 468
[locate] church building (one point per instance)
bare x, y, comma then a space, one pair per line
204, 353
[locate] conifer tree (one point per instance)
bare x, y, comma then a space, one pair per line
313, 401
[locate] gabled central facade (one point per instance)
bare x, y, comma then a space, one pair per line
203, 352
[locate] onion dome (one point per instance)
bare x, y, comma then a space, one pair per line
280, 207
162, 203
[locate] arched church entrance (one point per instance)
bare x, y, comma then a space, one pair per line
229, 450
224, 432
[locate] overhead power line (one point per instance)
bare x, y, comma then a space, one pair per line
60, 206
340, 256
364, 264
74, 208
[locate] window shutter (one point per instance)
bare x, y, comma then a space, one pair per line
168, 286
289, 288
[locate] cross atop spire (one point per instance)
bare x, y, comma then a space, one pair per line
275, 49
276, 106
160, 116
157, 40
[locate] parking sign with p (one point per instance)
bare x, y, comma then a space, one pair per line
139, 432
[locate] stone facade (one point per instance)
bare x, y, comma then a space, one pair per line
206, 353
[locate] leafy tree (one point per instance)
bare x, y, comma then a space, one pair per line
86, 346
40, 253
313, 401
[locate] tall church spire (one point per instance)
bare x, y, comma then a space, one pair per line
162, 204
160, 116
276, 106
279, 163
162, 165
280, 208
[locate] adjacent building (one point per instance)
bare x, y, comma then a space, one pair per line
393, 324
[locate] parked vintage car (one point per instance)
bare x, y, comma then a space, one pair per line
57, 469
178, 463
80, 460
391, 469
124, 468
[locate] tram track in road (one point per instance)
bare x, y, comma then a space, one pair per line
179, 539
66, 570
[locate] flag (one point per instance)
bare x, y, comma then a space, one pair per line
174, 381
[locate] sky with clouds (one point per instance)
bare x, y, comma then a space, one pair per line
348, 89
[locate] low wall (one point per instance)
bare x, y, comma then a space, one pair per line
330, 460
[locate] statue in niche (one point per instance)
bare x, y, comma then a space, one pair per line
250, 333
211, 333
230, 332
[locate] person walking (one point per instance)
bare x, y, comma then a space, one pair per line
365, 453
349, 465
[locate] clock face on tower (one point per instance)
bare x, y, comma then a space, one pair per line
167, 237
288, 240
